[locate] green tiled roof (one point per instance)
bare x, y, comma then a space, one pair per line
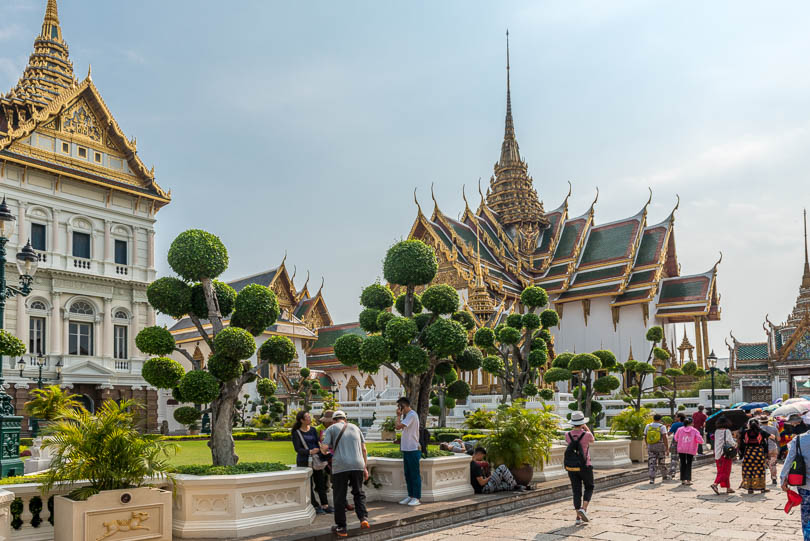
692, 288
599, 274
548, 234
302, 307
550, 286
633, 295
557, 270
590, 291
568, 239
649, 248
609, 242
469, 237
442, 235
642, 277
748, 352
328, 335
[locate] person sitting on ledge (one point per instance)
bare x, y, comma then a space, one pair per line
483, 482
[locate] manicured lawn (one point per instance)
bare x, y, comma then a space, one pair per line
197, 452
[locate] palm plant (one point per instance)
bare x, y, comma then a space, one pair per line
49, 403
632, 421
104, 449
521, 436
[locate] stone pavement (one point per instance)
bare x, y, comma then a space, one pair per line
643, 511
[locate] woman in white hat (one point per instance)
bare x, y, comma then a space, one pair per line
577, 462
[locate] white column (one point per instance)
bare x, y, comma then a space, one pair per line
108, 329
56, 324
150, 249
150, 316
65, 333
55, 233
22, 321
134, 261
107, 240
22, 233
134, 327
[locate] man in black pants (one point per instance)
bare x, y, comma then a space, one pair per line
349, 469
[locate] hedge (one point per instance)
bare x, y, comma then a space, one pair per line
396, 453
242, 467
237, 436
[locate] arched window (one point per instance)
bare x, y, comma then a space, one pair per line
120, 337
38, 305
120, 314
38, 311
82, 308
80, 329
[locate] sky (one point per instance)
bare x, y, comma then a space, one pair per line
304, 127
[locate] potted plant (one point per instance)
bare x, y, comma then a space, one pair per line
521, 439
45, 407
388, 428
106, 464
633, 422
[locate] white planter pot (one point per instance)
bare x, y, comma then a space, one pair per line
443, 478
609, 454
225, 506
118, 515
553, 469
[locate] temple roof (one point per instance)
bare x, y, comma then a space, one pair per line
322, 354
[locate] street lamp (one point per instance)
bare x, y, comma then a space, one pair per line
712, 358
27, 260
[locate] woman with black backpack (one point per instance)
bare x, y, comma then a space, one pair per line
577, 462
725, 449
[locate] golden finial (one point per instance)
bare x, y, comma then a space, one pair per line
89, 72
649, 200
595, 199
464, 196
283, 259
320, 288
718, 261
677, 202
433, 196
52, 12
295, 269
418, 206
306, 282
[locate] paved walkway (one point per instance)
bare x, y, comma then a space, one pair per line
643, 511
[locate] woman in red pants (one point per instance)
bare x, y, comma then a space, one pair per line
723, 437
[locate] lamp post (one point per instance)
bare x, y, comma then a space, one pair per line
712, 358
27, 260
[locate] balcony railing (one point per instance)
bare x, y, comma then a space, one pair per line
81, 263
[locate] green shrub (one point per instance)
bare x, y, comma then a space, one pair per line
410, 262
199, 387
377, 296
632, 422
234, 343
50, 403
241, 468
255, 309
226, 296
278, 350
155, 340
196, 255
162, 372
169, 296
396, 453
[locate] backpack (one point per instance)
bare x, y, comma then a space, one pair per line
574, 458
797, 473
652, 436
424, 438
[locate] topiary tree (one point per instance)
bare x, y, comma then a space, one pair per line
414, 343
668, 383
585, 366
306, 387
188, 416
520, 347
198, 258
636, 372
444, 376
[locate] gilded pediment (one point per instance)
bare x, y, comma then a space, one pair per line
79, 119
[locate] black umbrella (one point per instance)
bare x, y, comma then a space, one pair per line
739, 419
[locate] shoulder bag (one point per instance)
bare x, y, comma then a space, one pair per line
797, 473
729, 449
315, 461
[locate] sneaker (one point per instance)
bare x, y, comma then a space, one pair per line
340, 532
414, 502
652, 481
583, 515
577, 522
406, 501
320, 511
364, 525
329, 509
773, 482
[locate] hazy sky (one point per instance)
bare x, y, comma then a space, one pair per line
305, 126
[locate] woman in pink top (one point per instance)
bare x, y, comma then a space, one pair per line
688, 438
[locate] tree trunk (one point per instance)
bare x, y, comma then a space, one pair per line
423, 400
221, 441
409, 292
214, 315
442, 413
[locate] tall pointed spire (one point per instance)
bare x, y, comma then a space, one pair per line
509, 131
480, 301
806, 275
50, 26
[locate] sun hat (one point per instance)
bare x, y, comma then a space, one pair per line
327, 416
578, 418
338, 415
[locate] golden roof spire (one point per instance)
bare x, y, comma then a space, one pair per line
509, 129
50, 26
806, 275
480, 301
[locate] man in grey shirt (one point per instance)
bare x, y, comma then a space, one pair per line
349, 468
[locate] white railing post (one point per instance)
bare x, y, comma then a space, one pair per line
6, 498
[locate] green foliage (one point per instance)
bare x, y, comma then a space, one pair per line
458, 390
530, 389
534, 297
681, 407
410, 263
176, 394
373, 353
469, 359
562, 360
278, 350
662, 381
661, 354
465, 318
606, 357
105, 449
223, 367
199, 387
347, 349
545, 334
187, 415
539, 343
546, 394
690, 368
422, 320
632, 422
480, 418
155, 341
255, 309
413, 360
304, 372
11, 345
549, 318
400, 304
377, 296
434, 410
162, 372
445, 337
484, 338
538, 358
520, 436
555, 374
388, 425
234, 343
368, 320
50, 403
440, 299
382, 320
673, 372
509, 335
655, 334
531, 321
238, 469
584, 361
721, 381
442, 369
666, 419
492, 365
451, 376
196, 255
226, 296
449, 403
170, 296
400, 330
514, 320
396, 453
606, 384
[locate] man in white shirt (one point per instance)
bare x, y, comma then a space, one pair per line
408, 422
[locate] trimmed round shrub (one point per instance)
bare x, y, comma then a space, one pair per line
545, 334
278, 350
554, 375
196, 254
596, 407
187, 415
661, 354
382, 320
377, 296
224, 368
347, 349
373, 352
530, 389
446, 337
255, 309
531, 321
440, 299
400, 304
498, 328
199, 387
368, 320
584, 361
413, 360
661, 381
162, 372
266, 387
655, 334
484, 337
226, 297
459, 390
538, 358
442, 369
170, 296
304, 372
422, 319
176, 395
534, 297
465, 318
450, 377
607, 358
562, 360
514, 320
509, 335
410, 263
234, 343
606, 384
492, 365
435, 411
549, 318
538, 343
400, 330
546, 394
470, 359
449, 403
155, 341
